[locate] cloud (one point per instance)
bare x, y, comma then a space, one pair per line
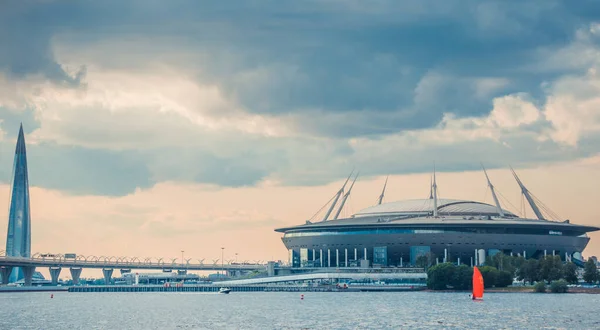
125, 110
513, 111
26, 41
509, 114
161, 127
293, 94
573, 107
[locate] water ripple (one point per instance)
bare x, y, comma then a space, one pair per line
240, 310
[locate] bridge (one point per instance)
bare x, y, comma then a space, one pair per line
19, 243
55, 263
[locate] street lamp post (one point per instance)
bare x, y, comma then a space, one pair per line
182, 257
237, 273
222, 264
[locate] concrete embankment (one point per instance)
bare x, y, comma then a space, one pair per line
33, 288
248, 288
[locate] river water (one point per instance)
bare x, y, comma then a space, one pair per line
257, 310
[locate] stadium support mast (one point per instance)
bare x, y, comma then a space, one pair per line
382, 192
500, 211
431, 188
434, 186
527, 195
337, 214
337, 196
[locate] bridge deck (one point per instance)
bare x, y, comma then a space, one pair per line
72, 263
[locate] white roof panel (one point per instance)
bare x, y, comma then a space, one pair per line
445, 206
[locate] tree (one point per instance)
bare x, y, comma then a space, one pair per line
421, 262
425, 260
517, 262
550, 268
503, 279
489, 276
529, 271
570, 273
444, 275
590, 271
539, 287
501, 261
559, 286
440, 276
491, 261
430, 258
462, 279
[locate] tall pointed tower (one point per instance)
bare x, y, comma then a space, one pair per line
18, 240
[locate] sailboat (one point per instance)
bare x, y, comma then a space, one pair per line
477, 284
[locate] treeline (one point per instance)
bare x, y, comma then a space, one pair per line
449, 276
500, 270
547, 269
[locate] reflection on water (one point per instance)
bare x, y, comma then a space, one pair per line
241, 310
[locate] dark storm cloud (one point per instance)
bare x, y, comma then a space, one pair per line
343, 69
337, 56
457, 157
80, 171
244, 168
26, 30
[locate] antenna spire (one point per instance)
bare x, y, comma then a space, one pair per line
496, 201
434, 188
383, 191
337, 196
345, 197
527, 195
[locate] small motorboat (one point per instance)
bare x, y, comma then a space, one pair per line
224, 290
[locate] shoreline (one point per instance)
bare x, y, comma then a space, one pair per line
525, 289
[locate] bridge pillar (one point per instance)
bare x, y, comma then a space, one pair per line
271, 268
107, 272
75, 273
125, 271
5, 273
54, 273
28, 274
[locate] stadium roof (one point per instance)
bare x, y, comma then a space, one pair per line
451, 212
424, 206
435, 211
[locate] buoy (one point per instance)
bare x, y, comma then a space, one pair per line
51, 295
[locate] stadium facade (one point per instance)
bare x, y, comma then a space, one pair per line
459, 231
18, 238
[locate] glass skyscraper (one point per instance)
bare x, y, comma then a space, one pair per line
18, 240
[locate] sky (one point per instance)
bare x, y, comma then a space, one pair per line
154, 127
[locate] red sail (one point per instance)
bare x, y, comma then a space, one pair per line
477, 284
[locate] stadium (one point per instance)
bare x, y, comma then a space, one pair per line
395, 234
